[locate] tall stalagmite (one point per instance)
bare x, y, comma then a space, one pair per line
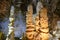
39, 30
41, 25
37, 27
10, 35
29, 23
44, 30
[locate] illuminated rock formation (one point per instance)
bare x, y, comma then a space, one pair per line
39, 30
29, 23
41, 25
10, 35
44, 30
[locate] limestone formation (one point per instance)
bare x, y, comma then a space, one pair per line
10, 35
29, 23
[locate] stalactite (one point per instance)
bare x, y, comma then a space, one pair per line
10, 35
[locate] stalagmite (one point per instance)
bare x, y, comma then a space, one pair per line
29, 23
41, 25
37, 26
10, 35
39, 30
37, 21
44, 30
